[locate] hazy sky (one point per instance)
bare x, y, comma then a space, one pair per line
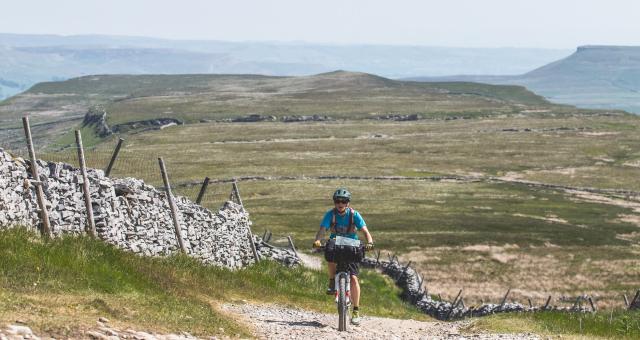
473, 23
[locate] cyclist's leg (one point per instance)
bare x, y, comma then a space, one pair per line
354, 270
331, 266
355, 291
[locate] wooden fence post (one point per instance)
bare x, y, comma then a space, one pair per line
293, 247
454, 304
256, 256
455, 301
91, 225
547, 303
172, 205
594, 308
44, 215
203, 189
577, 304
632, 305
504, 300
404, 271
236, 192
116, 151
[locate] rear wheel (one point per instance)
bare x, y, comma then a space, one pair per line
342, 303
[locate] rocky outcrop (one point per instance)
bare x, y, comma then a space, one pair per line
96, 118
128, 213
143, 125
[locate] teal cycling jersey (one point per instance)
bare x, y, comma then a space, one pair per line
342, 223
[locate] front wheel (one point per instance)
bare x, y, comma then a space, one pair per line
342, 303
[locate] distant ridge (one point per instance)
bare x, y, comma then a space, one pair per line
29, 59
203, 98
595, 76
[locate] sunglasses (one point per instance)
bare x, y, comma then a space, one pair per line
340, 201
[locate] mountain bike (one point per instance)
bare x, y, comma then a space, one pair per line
345, 251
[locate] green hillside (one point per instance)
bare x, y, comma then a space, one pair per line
64, 285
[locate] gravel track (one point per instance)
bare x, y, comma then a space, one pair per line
277, 322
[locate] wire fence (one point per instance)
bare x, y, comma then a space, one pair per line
136, 164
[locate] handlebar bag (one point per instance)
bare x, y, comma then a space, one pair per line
343, 249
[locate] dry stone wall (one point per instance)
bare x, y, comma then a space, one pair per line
411, 284
128, 213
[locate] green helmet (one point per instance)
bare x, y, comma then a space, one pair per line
342, 193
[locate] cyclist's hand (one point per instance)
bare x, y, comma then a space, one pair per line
317, 244
369, 246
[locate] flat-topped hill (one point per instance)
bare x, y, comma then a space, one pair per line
605, 77
195, 98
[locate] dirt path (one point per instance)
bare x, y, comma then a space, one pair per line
276, 322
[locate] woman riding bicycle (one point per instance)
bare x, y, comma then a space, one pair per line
344, 221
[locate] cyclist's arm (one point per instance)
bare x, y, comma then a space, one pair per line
320, 233
367, 234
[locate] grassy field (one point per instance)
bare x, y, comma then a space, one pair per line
63, 286
483, 236
597, 152
609, 325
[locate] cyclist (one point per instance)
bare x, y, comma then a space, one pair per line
344, 221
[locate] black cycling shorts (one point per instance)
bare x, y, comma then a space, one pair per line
353, 268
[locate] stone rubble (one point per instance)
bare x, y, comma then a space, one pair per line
400, 117
102, 331
284, 256
252, 118
313, 118
17, 332
128, 213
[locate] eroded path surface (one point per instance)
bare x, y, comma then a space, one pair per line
277, 322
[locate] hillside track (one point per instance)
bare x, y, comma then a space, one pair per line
278, 322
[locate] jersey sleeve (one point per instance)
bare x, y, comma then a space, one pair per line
359, 221
326, 220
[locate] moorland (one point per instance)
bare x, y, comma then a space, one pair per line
492, 187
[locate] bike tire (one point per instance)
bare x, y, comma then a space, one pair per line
342, 304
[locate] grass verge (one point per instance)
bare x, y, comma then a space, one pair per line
62, 286
616, 324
